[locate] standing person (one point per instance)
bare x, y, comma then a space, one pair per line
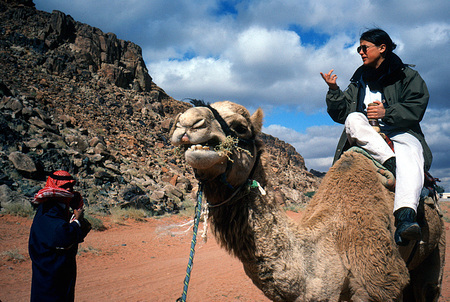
401, 97
54, 238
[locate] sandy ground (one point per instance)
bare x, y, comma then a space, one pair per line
142, 261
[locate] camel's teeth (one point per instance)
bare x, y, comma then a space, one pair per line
198, 148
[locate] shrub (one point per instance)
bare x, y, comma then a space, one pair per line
188, 207
18, 209
96, 223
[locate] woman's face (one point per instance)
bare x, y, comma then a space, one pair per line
371, 54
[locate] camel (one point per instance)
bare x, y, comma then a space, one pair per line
341, 249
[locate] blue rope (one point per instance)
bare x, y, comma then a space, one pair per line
198, 209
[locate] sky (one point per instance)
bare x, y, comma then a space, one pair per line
269, 54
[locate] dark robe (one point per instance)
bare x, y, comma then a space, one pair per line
53, 246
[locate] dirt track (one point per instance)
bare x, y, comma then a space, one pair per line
142, 261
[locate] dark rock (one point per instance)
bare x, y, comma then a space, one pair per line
5, 180
158, 195
131, 192
41, 124
141, 202
77, 143
22, 162
4, 91
9, 196
21, 2
317, 173
103, 175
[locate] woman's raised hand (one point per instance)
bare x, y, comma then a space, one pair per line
330, 79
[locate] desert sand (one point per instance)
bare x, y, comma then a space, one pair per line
142, 261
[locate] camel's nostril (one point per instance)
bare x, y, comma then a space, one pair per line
185, 138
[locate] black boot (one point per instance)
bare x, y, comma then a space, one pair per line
391, 165
406, 226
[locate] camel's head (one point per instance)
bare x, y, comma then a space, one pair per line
219, 139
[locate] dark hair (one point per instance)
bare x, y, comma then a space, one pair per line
378, 36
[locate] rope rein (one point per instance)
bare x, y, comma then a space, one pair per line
198, 209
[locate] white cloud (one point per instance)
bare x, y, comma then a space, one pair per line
205, 78
317, 145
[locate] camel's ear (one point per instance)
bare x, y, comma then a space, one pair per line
174, 125
257, 120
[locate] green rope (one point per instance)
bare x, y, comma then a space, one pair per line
198, 209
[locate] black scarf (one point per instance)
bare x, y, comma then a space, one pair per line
389, 71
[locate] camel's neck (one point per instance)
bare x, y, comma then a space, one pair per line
259, 233
232, 221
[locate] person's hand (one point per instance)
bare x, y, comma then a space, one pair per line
330, 79
78, 213
377, 111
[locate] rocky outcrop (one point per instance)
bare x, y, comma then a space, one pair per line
72, 48
74, 98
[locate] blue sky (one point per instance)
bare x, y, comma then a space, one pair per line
269, 54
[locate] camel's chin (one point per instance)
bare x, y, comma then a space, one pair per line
204, 159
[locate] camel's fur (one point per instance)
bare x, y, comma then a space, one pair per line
341, 250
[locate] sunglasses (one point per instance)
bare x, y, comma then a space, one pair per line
363, 48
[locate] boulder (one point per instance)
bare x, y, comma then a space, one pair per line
22, 162
132, 191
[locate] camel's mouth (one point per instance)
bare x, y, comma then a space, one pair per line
186, 145
202, 157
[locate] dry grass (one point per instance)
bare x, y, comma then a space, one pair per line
13, 255
88, 249
188, 209
228, 145
18, 209
119, 215
96, 223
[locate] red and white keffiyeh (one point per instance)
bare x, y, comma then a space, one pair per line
59, 186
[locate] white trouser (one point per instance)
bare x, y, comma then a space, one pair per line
408, 153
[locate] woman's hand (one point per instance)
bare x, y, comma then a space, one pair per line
330, 79
377, 111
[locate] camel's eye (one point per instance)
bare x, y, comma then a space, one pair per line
240, 129
199, 124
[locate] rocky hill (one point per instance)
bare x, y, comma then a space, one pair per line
75, 98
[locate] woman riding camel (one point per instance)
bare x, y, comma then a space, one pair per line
400, 97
